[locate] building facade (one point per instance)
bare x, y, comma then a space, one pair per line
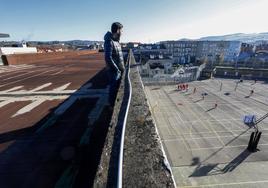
225, 51
157, 67
188, 51
182, 51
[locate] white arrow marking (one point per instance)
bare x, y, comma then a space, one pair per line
29, 107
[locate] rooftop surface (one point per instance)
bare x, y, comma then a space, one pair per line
206, 146
46, 110
29, 91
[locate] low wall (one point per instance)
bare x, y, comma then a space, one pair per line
247, 73
16, 59
144, 164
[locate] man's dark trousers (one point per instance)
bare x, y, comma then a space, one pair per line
114, 82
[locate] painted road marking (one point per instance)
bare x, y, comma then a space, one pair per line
40, 87
61, 88
11, 89
225, 147
26, 78
29, 107
226, 184
11, 95
96, 93
57, 73
18, 75
4, 103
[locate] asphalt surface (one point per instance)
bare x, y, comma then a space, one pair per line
206, 145
21, 85
47, 110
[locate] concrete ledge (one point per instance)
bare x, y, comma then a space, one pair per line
107, 169
144, 161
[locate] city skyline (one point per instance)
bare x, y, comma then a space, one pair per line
146, 21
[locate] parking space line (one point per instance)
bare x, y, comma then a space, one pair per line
224, 184
184, 141
27, 77
226, 147
210, 137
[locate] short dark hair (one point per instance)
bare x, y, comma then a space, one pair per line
115, 26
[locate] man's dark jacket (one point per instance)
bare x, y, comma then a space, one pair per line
113, 53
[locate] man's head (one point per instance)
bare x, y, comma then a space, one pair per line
116, 30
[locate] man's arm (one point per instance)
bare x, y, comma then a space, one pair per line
109, 57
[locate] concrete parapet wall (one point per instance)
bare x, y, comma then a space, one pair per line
144, 164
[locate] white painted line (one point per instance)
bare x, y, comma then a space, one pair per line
231, 131
16, 70
225, 184
4, 103
29, 107
26, 78
61, 88
212, 120
33, 98
12, 89
206, 137
18, 75
208, 127
166, 119
40, 87
225, 147
57, 73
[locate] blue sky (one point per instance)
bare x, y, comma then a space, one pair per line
143, 20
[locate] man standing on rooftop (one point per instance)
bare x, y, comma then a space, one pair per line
114, 59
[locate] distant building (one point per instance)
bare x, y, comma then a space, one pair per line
262, 47
246, 52
96, 46
182, 51
157, 67
248, 48
131, 45
188, 51
228, 51
144, 52
3, 35
21, 48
